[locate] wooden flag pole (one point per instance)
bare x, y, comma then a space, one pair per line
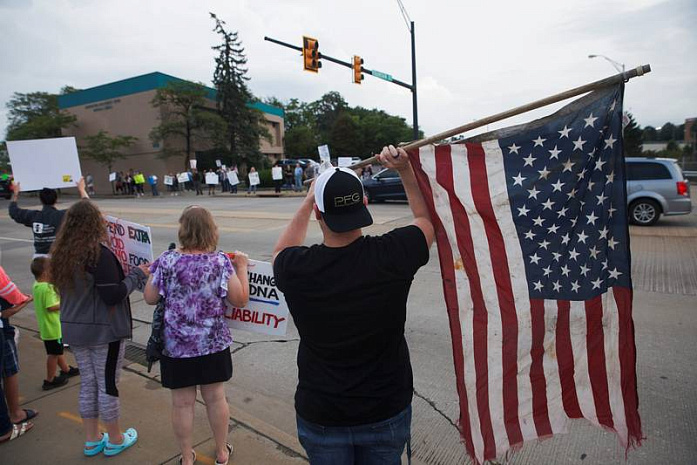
626, 76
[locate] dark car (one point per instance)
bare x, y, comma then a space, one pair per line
6, 188
386, 185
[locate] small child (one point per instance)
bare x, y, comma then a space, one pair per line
47, 308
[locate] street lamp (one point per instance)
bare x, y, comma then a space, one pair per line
618, 66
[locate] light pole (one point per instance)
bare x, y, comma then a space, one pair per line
618, 66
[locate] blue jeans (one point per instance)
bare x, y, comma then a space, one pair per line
298, 183
379, 443
5, 423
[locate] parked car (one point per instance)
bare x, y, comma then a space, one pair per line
655, 187
386, 185
6, 188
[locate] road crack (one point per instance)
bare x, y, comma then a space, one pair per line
247, 344
434, 407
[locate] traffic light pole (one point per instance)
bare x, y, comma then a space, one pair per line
375, 73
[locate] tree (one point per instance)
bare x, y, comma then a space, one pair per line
244, 124
185, 115
667, 132
649, 134
632, 138
105, 149
344, 138
36, 115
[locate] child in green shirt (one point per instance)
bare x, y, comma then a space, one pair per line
47, 308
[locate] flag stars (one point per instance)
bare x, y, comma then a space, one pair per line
572, 193
590, 121
611, 211
547, 271
564, 132
603, 232
538, 286
575, 287
597, 283
553, 229
614, 274
601, 198
554, 153
557, 286
578, 143
513, 149
523, 211
565, 270
530, 235
590, 185
557, 256
612, 243
548, 204
573, 254
614, 104
544, 244
582, 237
568, 165
610, 177
609, 142
544, 173
591, 218
565, 239
562, 212
532, 193
518, 180
594, 252
556, 187
584, 270
599, 164
529, 160
538, 221
604, 264
538, 142
535, 259
581, 174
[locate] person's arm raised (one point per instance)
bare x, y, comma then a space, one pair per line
295, 232
398, 160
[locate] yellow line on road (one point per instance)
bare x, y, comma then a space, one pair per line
15, 239
75, 418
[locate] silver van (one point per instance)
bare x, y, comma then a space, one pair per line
655, 187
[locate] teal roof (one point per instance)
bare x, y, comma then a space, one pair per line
136, 85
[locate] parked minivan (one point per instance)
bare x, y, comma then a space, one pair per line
655, 187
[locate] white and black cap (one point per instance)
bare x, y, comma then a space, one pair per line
339, 197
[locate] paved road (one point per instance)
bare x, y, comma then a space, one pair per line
665, 276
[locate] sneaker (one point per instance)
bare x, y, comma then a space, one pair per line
72, 371
57, 381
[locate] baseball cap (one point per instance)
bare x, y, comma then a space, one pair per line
339, 197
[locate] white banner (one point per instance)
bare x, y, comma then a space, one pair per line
254, 179
183, 177
192, 163
218, 163
323, 152
130, 242
267, 310
232, 177
43, 163
277, 173
112, 177
345, 161
169, 180
211, 178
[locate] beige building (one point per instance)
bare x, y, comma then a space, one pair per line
124, 108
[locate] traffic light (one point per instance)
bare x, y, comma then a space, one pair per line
311, 54
357, 69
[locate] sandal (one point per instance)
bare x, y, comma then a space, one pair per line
229, 453
29, 414
95, 447
18, 430
181, 459
130, 437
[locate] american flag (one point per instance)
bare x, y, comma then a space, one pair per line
533, 242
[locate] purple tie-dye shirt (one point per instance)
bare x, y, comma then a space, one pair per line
194, 287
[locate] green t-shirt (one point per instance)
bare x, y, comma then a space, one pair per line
45, 296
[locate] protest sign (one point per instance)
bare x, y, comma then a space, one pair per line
232, 177
192, 163
345, 161
218, 163
112, 177
43, 163
211, 178
277, 173
130, 242
267, 310
224, 168
183, 177
323, 152
169, 180
254, 179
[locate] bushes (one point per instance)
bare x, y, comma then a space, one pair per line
265, 178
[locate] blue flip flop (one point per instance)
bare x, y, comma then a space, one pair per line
130, 437
96, 447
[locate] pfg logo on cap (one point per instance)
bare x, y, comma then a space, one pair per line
347, 200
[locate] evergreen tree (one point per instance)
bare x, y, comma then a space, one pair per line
245, 125
632, 138
36, 115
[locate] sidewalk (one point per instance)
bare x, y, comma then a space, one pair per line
57, 435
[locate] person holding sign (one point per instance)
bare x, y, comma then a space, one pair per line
254, 181
95, 320
195, 282
348, 299
46, 222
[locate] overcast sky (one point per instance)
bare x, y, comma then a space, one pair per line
474, 58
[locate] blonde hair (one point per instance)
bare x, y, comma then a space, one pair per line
197, 229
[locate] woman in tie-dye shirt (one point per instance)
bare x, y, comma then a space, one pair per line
196, 281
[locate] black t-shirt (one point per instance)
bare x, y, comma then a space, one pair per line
349, 305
